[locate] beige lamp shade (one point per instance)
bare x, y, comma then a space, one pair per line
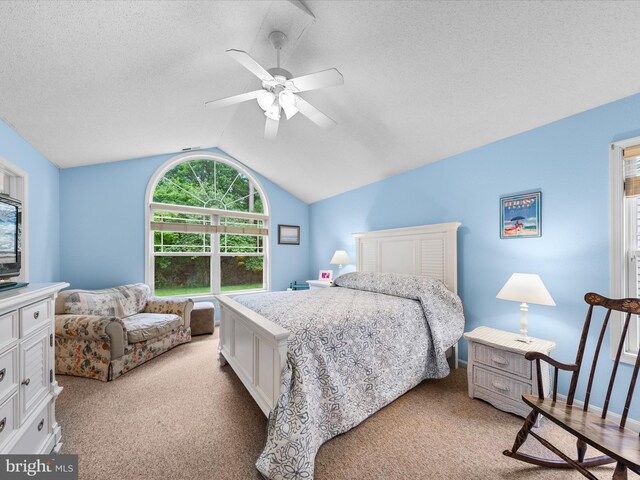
526, 288
340, 258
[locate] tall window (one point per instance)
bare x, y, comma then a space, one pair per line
625, 237
207, 227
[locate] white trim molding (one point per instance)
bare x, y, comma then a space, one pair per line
150, 206
618, 282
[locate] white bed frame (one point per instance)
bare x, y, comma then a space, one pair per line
256, 347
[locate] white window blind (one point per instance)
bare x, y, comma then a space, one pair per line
631, 158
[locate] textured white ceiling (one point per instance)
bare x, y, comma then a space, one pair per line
97, 82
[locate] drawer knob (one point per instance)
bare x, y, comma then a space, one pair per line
3, 422
501, 386
26, 381
36, 314
3, 372
41, 424
500, 360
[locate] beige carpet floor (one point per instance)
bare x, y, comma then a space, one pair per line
181, 416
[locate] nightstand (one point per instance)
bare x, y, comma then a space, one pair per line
313, 284
498, 372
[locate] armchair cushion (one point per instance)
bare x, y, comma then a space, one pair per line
116, 302
144, 326
174, 305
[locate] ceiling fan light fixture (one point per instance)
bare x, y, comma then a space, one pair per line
287, 99
265, 99
273, 112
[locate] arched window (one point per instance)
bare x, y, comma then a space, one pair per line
207, 228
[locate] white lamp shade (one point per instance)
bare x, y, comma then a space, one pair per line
340, 258
526, 288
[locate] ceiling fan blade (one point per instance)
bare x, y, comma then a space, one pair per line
290, 111
326, 78
303, 7
271, 128
313, 114
244, 59
225, 102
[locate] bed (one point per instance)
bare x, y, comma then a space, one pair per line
319, 362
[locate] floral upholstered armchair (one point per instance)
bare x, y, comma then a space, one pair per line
103, 334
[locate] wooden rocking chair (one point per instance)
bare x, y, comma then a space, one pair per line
618, 443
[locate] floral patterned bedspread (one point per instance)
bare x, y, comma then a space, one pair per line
353, 350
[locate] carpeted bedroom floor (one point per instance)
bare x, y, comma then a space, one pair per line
181, 416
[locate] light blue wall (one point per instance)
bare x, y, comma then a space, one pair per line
567, 160
44, 208
102, 225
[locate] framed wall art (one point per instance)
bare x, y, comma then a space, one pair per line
325, 275
288, 235
521, 215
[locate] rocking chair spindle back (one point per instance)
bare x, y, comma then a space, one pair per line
619, 444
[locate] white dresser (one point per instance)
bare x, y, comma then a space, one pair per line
28, 388
498, 372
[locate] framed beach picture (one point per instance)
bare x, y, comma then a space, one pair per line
325, 275
520, 215
288, 235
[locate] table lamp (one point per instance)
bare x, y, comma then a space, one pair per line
525, 288
340, 258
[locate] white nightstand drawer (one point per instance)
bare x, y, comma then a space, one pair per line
35, 434
500, 384
8, 328
33, 316
503, 360
8, 372
8, 418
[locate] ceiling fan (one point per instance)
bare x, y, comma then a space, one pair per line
279, 90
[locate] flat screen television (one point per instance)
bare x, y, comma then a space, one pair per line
10, 237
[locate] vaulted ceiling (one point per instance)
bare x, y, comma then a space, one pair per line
93, 82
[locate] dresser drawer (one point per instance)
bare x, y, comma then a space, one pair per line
499, 384
33, 316
8, 373
8, 328
34, 371
8, 418
35, 433
506, 361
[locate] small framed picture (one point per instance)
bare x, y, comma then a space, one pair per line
325, 275
288, 235
520, 215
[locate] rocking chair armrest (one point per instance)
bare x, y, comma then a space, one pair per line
569, 367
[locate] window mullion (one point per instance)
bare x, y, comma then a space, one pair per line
215, 256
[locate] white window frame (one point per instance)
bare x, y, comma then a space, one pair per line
619, 259
215, 273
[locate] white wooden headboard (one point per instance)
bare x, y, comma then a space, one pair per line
427, 250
